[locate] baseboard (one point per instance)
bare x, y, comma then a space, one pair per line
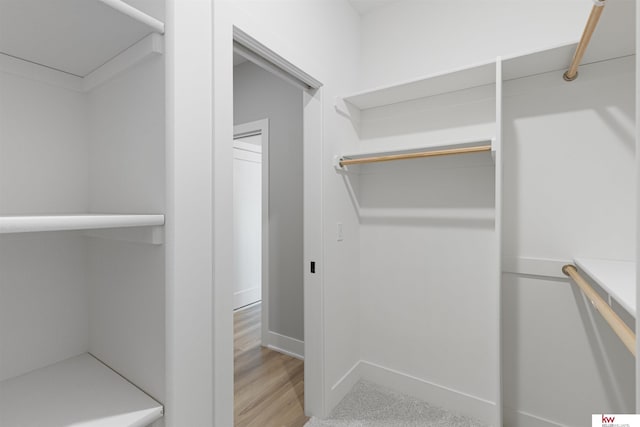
247, 296
285, 345
514, 418
435, 394
343, 386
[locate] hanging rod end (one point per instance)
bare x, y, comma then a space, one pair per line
337, 163
565, 269
567, 78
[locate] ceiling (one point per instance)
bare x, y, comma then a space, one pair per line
365, 6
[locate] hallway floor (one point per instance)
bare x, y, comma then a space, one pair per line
269, 386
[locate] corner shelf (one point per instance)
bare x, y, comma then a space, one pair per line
26, 224
80, 391
108, 37
98, 31
617, 278
451, 81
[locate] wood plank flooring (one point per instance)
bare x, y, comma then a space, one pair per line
269, 386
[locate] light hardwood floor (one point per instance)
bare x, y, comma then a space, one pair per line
269, 386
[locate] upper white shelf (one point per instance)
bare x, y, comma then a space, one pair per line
474, 76
79, 392
617, 278
23, 224
71, 36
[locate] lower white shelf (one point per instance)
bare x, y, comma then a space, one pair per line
617, 278
78, 392
33, 223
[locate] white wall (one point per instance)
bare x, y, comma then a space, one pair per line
569, 173
43, 300
257, 95
428, 254
43, 150
43, 169
298, 30
126, 280
413, 38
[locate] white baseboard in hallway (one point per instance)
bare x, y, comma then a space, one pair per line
286, 345
247, 297
435, 394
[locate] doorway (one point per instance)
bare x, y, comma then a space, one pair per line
268, 248
250, 197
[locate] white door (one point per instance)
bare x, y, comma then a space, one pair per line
247, 224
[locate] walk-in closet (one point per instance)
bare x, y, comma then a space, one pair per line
466, 185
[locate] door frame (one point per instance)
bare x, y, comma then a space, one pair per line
313, 203
261, 127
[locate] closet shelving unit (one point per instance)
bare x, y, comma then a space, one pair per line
463, 152
438, 84
77, 391
78, 46
27, 224
617, 278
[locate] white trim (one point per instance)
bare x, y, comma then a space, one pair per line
534, 266
315, 389
525, 419
35, 223
136, 14
246, 297
145, 235
285, 345
498, 158
345, 384
32, 71
261, 127
431, 392
148, 47
253, 50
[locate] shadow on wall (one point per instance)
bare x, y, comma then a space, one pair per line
569, 172
569, 164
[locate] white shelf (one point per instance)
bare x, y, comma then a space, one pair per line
96, 30
451, 81
25, 224
78, 392
617, 278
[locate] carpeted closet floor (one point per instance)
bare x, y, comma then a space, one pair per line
370, 405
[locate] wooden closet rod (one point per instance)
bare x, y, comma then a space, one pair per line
572, 73
619, 327
433, 153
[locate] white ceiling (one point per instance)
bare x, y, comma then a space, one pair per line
365, 6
